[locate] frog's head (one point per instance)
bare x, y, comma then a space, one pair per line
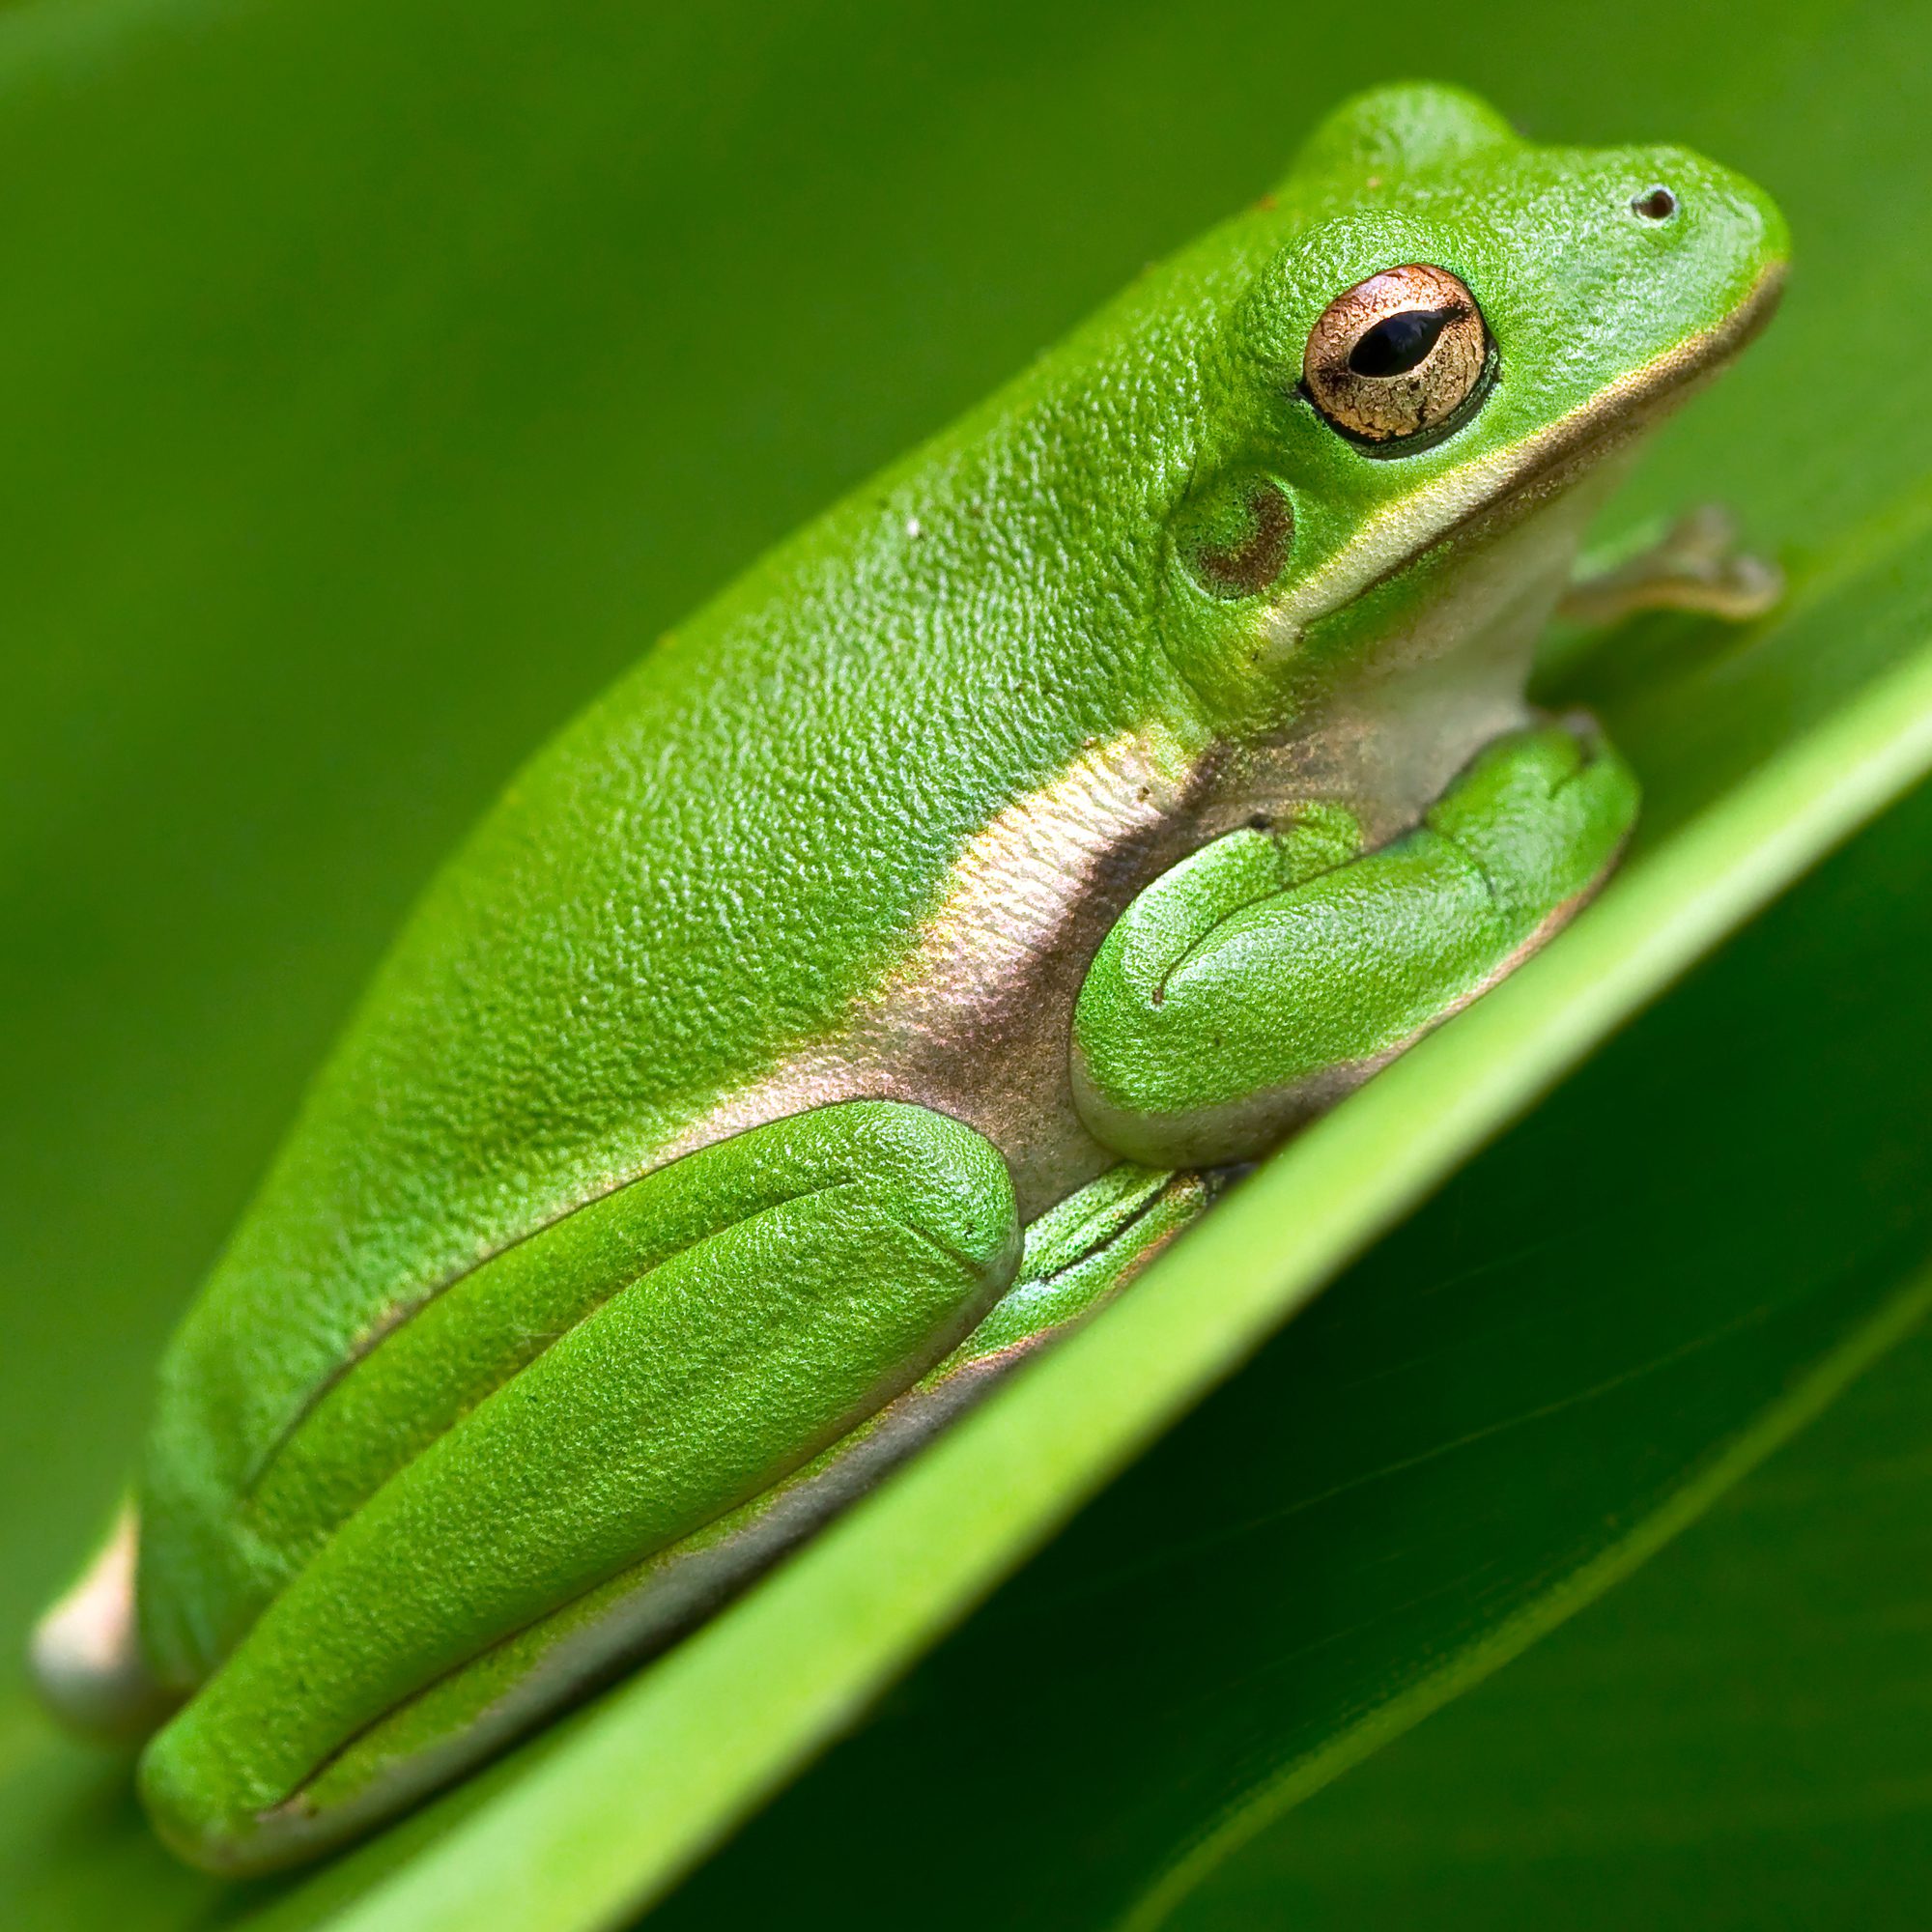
1445, 331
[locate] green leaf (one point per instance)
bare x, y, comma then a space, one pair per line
385, 375
1733, 1738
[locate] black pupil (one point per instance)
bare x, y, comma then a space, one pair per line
1397, 343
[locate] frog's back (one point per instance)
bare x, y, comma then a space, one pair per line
738, 872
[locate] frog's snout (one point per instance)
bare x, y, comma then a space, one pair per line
1674, 200
1679, 260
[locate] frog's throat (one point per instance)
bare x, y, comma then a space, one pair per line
1520, 473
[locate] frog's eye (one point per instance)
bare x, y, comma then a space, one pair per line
1398, 356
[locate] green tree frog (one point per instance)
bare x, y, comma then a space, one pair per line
864, 988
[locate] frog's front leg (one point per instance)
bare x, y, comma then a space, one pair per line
1239, 993
1695, 564
723, 1320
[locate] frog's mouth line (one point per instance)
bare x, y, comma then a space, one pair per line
1490, 492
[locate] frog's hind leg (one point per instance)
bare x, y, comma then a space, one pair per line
607, 1387
1078, 1256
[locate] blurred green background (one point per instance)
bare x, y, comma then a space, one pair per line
381, 378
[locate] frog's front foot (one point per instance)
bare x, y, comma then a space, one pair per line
1695, 565
1241, 992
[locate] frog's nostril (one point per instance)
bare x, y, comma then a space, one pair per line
1655, 204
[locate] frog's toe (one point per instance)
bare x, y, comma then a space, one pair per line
85, 1655
1696, 565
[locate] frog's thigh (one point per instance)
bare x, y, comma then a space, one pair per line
1216, 1015
1078, 1256
833, 1258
